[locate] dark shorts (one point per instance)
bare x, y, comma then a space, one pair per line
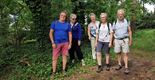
104, 45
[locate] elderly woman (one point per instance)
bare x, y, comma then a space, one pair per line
76, 39
92, 32
104, 35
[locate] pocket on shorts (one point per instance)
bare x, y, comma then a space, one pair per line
126, 40
115, 42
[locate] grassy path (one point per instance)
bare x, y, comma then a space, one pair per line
142, 67
141, 62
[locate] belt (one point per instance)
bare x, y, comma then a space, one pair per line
122, 38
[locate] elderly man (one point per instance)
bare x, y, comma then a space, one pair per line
123, 38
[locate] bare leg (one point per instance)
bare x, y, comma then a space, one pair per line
119, 58
99, 60
54, 63
126, 60
64, 61
107, 58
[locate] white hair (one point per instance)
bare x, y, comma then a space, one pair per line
73, 16
103, 14
92, 14
120, 11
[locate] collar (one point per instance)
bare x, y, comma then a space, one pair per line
122, 20
94, 23
72, 25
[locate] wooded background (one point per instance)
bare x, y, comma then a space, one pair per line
27, 22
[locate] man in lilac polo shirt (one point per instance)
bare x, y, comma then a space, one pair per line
123, 39
61, 38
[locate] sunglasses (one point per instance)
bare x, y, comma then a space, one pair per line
73, 18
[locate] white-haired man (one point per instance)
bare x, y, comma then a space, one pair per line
123, 38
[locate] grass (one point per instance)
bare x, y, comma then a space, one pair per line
144, 40
40, 62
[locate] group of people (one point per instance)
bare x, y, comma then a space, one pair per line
66, 39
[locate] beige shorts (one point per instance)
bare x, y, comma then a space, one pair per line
121, 45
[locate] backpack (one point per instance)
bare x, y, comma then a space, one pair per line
114, 22
107, 26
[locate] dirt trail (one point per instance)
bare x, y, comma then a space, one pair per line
141, 68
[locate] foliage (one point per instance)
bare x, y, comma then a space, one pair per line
24, 26
15, 22
40, 62
144, 40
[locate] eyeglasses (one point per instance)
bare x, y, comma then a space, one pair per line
63, 15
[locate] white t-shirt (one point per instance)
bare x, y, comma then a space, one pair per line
93, 27
103, 32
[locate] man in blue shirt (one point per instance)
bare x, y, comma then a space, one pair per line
61, 38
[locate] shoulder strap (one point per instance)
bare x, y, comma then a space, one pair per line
108, 27
99, 25
128, 21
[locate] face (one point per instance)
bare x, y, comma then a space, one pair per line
73, 20
120, 15
62, 17
93, 18
103, 19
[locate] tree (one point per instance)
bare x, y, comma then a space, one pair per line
40, 12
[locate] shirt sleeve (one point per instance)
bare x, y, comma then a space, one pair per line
69, 28
128, 23
111, 28
97, 29
89, 25
79, 32
52, 25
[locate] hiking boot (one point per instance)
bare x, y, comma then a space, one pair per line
83, 62
99, 69
107, 67
126, 71
52, 75
118, 67
64, 73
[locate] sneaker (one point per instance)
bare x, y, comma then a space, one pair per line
99, 69
107, 67
118, 67
73, 61
126, 71
83, 63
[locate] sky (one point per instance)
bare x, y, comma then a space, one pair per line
150, 7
